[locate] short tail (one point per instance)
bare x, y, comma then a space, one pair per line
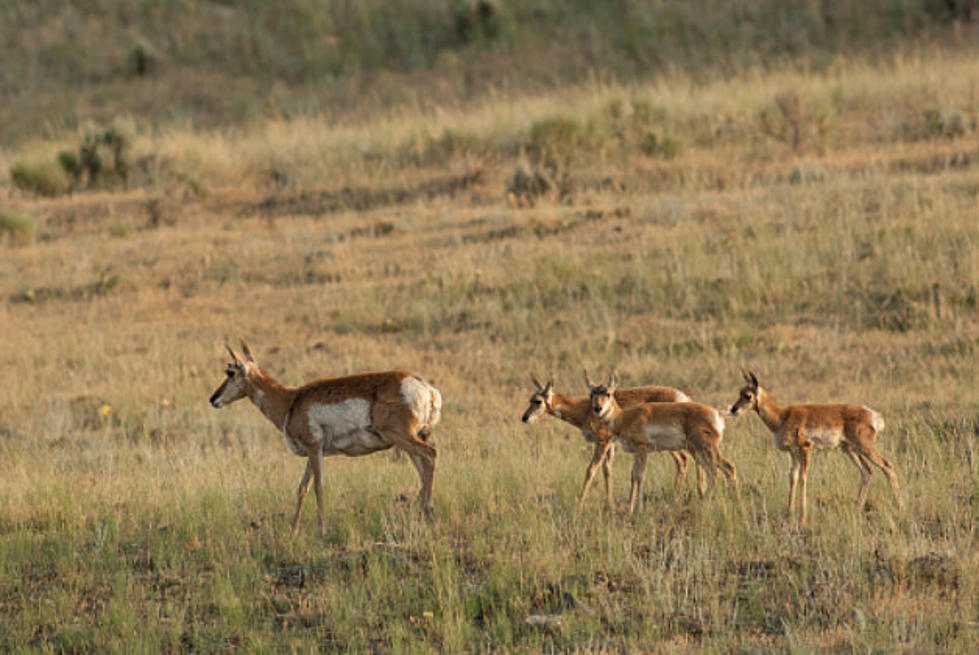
877, 421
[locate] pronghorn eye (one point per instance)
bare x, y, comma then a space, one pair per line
231, 372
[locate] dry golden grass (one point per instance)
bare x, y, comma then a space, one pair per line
136, 517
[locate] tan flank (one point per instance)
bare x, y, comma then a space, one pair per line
353, 416
576, 412
800, 429
681, 426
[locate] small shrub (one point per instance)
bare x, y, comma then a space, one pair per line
452, 143
71, 165
944, 122
17, 227
161, 211
665, 147
143, 58
104, 155
553, 141
645, 112
476, 20
44, 178
788, 120
527, 184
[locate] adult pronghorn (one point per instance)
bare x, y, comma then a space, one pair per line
799, 429
354, 415
693, 427
576, 412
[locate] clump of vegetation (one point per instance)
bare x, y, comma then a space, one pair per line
643, 123
654, 145
532, 182
43, 178
527, 184
161, 210
944, 122
453, 143
476, 20
17, 227
555, 141
103, 159
143, 58
786, 121
104, 156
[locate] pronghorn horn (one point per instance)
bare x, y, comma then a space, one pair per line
246, 351
754, 378
613, 379
234, 357
537, 384
745, 374
550, 381
588, 381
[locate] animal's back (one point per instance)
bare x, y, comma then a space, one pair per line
649, 394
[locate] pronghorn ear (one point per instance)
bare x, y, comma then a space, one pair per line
591, 385
613, 380
753, 378
246, 351
537, 384
234, 357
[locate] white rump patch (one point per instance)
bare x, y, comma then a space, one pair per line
424, 401
876, 420
716, 420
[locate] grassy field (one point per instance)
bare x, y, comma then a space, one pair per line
817, 225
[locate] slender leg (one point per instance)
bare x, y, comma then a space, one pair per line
607, 472
316, 462
682, 461
419, 464
793, 482
875, 458
732, 474
638, 472
601, 449
708, 465
702, 483
301, 496
865, 473
424, 457
805, 458
701, 477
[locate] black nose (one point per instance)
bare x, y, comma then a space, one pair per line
214, 401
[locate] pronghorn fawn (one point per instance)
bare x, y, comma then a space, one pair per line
353, 416
684, 426
576, 412
800, 429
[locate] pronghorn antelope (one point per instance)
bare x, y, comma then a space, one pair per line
353, 416
693, 427
576, 410
799, 429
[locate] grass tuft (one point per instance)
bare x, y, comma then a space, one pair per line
17, 227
